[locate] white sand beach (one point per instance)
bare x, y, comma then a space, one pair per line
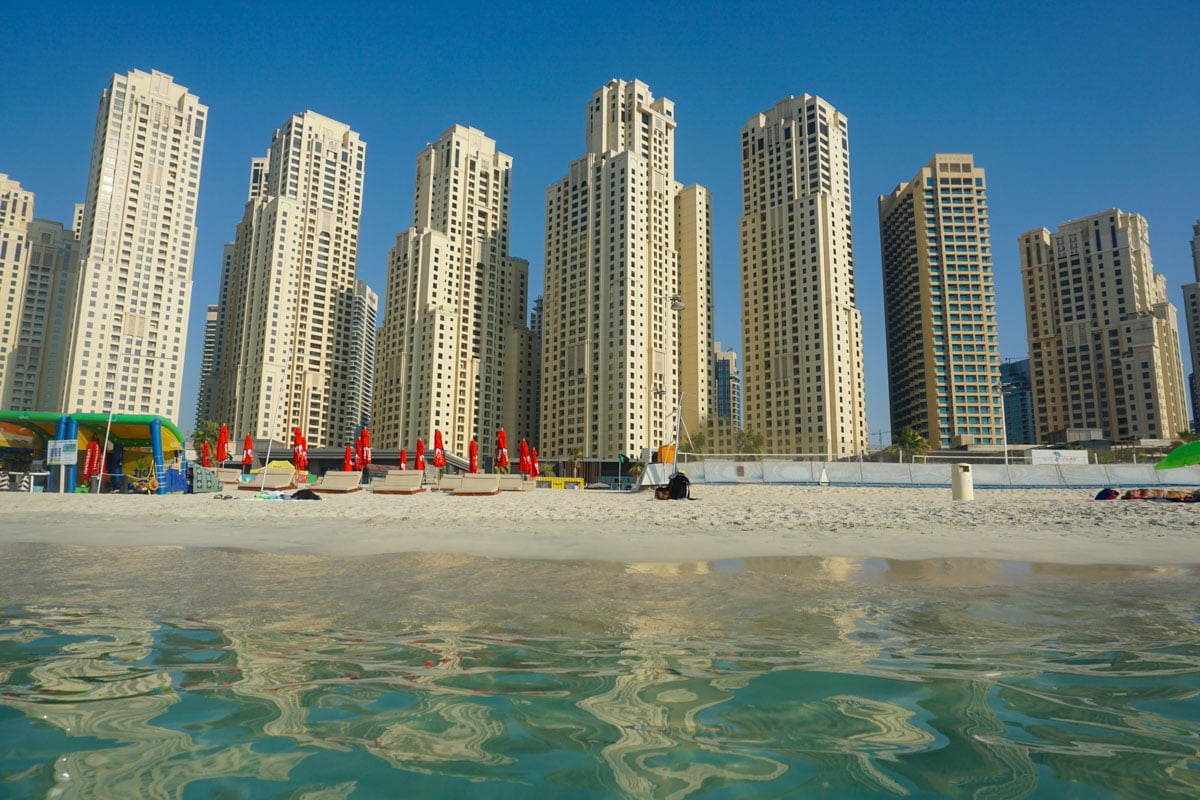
1045, 526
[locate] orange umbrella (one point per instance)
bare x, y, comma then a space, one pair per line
501, 449
206, 455
523, 461
533, 465
403, 459
439, 452
420, 454
473, 449
223, 444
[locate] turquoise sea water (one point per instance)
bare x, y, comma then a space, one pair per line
229, 674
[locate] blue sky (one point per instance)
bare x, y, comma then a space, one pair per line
1071, 108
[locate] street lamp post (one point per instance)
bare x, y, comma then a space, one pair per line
1003, 424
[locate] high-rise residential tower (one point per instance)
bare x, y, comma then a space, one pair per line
138, 241
802, 352
16, 212
454, 353
286, 345
1191, 306
628, 286
207, 394
360, 358
1103, 338
940, 305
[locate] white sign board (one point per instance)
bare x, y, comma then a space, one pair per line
62, 451
1058, 456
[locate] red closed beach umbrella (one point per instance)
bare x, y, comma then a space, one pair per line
297, 448
303, 462
358, 453
501, 448
248, 452
91, 460
347, 460
533, 465
420, 464
403, 459
439, 452
366, 446
223, 444
523, 459
206, 455
473, 450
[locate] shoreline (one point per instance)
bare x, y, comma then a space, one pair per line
1054, 526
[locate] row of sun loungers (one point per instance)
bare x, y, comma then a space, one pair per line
395, 482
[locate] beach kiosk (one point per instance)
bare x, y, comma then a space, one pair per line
132, 446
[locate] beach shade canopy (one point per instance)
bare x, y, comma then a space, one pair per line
473, 451
403, 459
501, 448
223, 443
533, 465
523, 459
275, 466
420, 462
206, 455
248, 451
439, 452
1183, 456
366, 446
348, 459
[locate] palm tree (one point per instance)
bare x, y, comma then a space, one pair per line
750, 444
206, 431
577, 461
908, 441
697, 442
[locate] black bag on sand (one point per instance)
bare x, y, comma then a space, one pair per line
305, 494
679, 488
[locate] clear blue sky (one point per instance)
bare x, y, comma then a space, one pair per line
1071, 108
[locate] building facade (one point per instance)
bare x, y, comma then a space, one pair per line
16, 212
627, 313
725, 422
207, 393
802, 353
286, 347
361, 360
940, 305
454, 353
1018, 402
137, 239
1191, 307
1103, 338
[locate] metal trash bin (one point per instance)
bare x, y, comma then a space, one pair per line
962, 483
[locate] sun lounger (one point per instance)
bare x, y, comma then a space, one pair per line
228, 475
400, 482
478, 485
512, 483
270, 480
337, 481
449, 483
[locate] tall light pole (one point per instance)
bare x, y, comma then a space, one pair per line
1003, 423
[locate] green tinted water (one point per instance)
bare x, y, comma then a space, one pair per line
200, 673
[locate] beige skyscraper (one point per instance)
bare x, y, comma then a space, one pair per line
940, 305
454, 353
138, 241
286, 312
802, 353
16, 212
1191, 307
627, 322
1103, 338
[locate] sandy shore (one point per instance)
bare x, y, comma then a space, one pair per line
1047, 526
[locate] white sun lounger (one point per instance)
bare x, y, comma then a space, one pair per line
337, 481
478, 484
512, 483
228, 475
271, 480
400, 481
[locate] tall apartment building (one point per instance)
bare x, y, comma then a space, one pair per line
206, 396
360, 357
536, 317
1018, 402
628, 286
16, 212
1103, 338
940, 305
1191, 306
454, 353
138, 239
802, 353
286, 343
725, 423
